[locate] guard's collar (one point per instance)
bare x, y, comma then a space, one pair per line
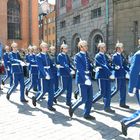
101, 53
118, 53
63, 53
43, 53
82, 52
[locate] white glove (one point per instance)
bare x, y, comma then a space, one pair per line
87, 77
132, 94
127, 76
72, 72
97, 69
22, 63
8, 69
47, 77
117, 67
88, 82
112, 77
27, 64
59, 66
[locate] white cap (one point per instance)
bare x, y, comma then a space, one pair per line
64, 45
14, 44
52, 48
34, 47
101, 44
43, 44
30, 47
6, 47
119, 45
82, 43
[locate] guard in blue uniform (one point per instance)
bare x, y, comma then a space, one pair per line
17, 72
83, 79
28, 80
120, 69
103, 74
33, 72
7, 66
133, 89
45, 74
65, 71
54, 69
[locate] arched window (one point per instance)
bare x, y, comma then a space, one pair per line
13, 18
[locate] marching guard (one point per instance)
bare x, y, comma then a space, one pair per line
17, 72
53, 57
33, 72
103, 74
45, 74
120, 69
83, 79
7, 66
133, 89
65, 71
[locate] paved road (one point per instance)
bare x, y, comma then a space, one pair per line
20, 121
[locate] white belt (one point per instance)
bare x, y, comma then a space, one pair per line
47, 67
61, 66
86, 72
34, 65
15, 64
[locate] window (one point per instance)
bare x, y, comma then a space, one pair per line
13, 18
46, 32
76, 19
63, 24
96, 13
53, 30
49, 31
53, 42
62, 3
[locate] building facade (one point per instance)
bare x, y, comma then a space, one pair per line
127, 23
46, 13
90, 20
19, 22
49, 32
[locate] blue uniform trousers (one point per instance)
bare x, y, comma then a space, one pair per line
35, 82
132, 120
121, 87
66, 83
46, 86
55, 82
8, 75
86, 93
18, 78
104, 91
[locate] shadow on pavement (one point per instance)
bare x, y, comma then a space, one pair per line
24, 108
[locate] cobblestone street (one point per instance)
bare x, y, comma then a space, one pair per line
24, 121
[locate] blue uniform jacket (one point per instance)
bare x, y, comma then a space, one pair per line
134, 81
15, 63
105, 70
54, 60
118, 60
64, 62
6, 60
44, 65
83, 68
33, 67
